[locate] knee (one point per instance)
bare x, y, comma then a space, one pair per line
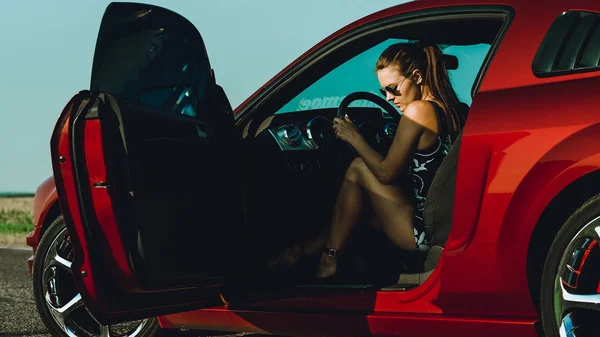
356, 169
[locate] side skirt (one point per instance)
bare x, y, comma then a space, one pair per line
303, 324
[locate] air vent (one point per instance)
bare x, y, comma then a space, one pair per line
571, 45
290, 134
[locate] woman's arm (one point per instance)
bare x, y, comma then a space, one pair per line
387, 169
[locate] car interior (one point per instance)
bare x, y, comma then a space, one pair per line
294, 165
277, 164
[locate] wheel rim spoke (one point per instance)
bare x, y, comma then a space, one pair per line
569, 295
566, 328
592, 229
52, 256
139, 328
57, 269
579, 301
104, 331
61, 313
61, 262
73, 304
70, 332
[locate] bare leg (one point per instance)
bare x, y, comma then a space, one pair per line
347, 211
393, 209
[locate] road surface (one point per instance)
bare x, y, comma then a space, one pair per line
18, 315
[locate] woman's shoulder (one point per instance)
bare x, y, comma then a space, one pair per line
423, 113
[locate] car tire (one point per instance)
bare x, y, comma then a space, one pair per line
569, 299
57, 299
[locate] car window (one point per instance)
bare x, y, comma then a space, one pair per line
181, 96
179, 100
156, 59
470, 60
358, 74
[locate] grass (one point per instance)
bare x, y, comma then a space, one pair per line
15, 222
16, 195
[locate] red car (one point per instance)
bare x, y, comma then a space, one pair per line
173, 202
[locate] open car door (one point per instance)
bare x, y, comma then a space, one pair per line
147, 167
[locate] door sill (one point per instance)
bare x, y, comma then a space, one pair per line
336, 286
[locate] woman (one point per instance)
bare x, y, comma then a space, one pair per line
414, 78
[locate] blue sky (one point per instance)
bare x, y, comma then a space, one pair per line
47, 49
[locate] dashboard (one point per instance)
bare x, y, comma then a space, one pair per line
312, 129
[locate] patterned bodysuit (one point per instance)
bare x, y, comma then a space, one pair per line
422, 169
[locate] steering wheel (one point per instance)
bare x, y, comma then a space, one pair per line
345, 152
367, 96
372, 135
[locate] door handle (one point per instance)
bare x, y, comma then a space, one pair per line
101, 184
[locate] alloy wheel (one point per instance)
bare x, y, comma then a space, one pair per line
64, 301
577, 284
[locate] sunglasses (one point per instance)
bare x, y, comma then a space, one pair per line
392, 89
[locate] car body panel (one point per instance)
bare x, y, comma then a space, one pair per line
520, 149
512, 124
44, 207
331, 324
523, 39
66, 181
525, 129
45, 197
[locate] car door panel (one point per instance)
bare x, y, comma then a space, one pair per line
148, 179
110, 216
171, 170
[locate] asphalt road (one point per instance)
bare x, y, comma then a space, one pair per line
18, 315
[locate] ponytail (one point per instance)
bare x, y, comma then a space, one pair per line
436, 76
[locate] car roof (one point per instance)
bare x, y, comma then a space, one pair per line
535, 18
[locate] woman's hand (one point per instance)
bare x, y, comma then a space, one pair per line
345, 130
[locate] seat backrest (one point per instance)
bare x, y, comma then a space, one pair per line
437, 213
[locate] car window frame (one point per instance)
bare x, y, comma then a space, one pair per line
257, 106
463, 88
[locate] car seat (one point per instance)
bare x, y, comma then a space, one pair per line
437, 215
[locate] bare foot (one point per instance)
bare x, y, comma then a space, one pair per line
288, 257
327, 266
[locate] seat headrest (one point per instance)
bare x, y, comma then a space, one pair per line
451, 62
